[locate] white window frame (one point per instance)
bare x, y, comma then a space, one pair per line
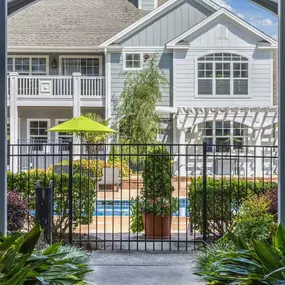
46, 149
231, 137
125, 59
214, 95
57, 135
82, 56
30, 62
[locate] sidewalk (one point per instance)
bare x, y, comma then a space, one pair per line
143, 268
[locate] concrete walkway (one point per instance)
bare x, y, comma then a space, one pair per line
143, 268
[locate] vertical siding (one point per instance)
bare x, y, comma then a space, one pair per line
168, 26
147, 4
211, 35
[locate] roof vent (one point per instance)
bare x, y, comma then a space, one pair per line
223, 33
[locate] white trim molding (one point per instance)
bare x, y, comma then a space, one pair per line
222, 12
125, 58
153, 15
38, 120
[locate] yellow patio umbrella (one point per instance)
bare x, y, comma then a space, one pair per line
81, 124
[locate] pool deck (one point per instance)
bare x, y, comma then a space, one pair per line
143, 268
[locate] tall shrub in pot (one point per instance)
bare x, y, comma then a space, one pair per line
156, 199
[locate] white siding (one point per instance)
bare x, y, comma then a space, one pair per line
237, 42
213, 34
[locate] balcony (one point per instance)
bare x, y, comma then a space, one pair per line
56, 89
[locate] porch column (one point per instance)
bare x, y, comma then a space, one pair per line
182, 161
258, 153
76, 110
14, 122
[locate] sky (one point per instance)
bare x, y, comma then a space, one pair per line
253, 14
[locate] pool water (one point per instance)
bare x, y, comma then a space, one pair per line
119, 208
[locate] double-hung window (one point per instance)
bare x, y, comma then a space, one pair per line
38, 133
223, 74
63, 138
224, 135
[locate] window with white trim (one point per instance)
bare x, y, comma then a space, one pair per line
63, 138
133, 60
27, 65
223, 74
225, 135
86, 66
38, 133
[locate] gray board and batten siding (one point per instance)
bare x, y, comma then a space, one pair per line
169, 25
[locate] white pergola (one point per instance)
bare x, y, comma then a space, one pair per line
275, 6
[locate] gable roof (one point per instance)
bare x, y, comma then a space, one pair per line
152, 16
230, 15
70, 23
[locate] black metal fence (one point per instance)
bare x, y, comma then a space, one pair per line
104, 196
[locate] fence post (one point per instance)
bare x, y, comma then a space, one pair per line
70, 182
44, 209
204, 194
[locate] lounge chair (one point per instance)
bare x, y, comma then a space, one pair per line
109, 180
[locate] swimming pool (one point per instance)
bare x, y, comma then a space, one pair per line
119, 208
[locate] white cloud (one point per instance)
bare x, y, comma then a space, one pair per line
266, 23
224, 3
240, 15
275, 37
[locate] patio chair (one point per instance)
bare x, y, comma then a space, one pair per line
109, 180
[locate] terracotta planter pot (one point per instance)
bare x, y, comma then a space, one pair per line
157, 227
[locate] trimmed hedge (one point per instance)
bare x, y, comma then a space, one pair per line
93, 168
224, 197
84, 195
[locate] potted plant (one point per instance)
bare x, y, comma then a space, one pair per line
156, 201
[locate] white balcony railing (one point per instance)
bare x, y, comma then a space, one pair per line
57, 86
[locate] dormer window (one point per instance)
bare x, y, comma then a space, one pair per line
222, 74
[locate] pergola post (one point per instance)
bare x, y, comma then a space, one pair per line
3, 116
281, 111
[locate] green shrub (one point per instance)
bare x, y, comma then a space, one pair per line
83, 189
93, 168
20, 264
156, 196
254, 221
224, 197
251, 264
211, 253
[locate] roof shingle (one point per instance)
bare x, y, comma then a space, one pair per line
71, 23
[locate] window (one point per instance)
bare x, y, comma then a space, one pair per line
38, 133
10, 64
86, 66
222, 74
224, 134
27, 65
63, 138
133, 61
